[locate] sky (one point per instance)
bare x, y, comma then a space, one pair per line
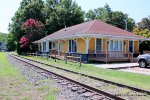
136, 9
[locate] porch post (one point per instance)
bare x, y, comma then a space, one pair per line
107, 46
87, 44
39, 49
58, 45
47, 46
42, 46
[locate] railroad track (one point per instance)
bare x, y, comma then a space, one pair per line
80, 88
95, 78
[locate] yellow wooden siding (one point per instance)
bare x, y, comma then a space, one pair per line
136, 46
56, 45
81, 45
92, 44
65, 45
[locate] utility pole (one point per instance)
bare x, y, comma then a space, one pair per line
126, 22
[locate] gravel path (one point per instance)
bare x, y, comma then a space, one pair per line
113, 89
36, 79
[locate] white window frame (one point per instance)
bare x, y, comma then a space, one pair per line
118, 42
132, 45
101, 43
75, 40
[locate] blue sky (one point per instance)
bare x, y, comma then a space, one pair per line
136, 9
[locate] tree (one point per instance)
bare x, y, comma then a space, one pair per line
119, 19
144, 24
62, 13
34, 30
103, 13
28, 9
10, 42
130, 24
143, 29
3, 37
116, 18
145, 33
90, 15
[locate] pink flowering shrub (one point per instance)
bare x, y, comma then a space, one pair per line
34, 30
29, 23
24, 41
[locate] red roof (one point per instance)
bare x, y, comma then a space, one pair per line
91, 27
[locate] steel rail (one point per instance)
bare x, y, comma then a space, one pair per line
73, 81
92, 77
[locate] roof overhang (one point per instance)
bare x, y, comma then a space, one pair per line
91, 35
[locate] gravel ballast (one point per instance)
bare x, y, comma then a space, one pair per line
38, 80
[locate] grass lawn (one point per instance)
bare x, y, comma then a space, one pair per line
13, 86
132, 79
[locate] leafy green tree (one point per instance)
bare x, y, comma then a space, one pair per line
145, 33
103, 13
10, 42
144, 24
90, 15
61, 13
3, 37
130, 24
28, 9
116, 18
34, 30
143, 29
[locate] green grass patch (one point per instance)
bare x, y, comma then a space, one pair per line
132, 79
6, 69
14, 84
49, 96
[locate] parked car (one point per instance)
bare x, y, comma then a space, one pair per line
143, 60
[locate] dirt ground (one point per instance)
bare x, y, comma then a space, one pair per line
13, 88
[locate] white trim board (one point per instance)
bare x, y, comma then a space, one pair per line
96, 36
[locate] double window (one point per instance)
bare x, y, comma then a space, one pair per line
115, 45
72, 46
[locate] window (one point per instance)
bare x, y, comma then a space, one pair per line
111, 45
44, 46
72, 46
99, 44
51, 45
115, 45
131, 46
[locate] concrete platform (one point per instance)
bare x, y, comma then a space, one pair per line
117, 66
138, 70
